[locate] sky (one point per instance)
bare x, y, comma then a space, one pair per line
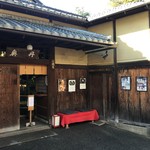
93, 6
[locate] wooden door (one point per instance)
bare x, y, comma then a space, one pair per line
101, 94
9, 97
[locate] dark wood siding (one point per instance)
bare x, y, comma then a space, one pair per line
134, 105
41, 106
101, 94
70, 100
9, 96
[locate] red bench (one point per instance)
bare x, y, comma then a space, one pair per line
78, 116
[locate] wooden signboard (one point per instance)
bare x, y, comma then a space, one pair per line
30, 103
22, 53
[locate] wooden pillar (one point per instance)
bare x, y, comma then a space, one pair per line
115, 83
149, 17
88, 91
51, 82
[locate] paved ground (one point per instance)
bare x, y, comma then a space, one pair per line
85, 136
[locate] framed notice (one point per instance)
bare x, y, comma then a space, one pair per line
126, 83
82, 83
61, 85
71, 85
142, 84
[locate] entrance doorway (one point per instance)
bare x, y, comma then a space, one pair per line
33, 81
33, 85
101, 94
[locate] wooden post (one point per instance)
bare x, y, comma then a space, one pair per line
51, 82
30, 109
30, 116
115, 75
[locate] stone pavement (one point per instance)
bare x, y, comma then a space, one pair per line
25, 135
80, 136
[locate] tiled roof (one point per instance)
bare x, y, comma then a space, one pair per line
31, 26
37, 5
31, 1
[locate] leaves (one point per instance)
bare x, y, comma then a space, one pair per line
116, 3
82, 12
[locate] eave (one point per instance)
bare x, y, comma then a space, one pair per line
69, 18
119, 14
18, 32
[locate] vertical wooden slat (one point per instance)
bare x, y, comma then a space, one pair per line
22, 69
37, 70
29, 69
104, 91
44, 70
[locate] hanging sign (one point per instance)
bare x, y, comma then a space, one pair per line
22, 53
71, 85
61, 85
82, 83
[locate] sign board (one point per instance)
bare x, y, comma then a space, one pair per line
82, 83
30, 102
71, 85
22, 53
61, 85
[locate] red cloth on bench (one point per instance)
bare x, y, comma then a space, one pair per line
67, 119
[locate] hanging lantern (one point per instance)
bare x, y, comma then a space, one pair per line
29, 47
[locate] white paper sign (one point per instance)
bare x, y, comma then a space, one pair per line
72, 85
82, 83
30, 101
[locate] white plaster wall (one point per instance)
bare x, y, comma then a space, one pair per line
133, 37
70, 56
96, 58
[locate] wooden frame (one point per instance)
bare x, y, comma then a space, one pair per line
141, 84
125, 83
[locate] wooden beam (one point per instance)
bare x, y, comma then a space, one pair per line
12, 60
57, 38
100, 49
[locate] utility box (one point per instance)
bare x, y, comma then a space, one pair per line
55, 121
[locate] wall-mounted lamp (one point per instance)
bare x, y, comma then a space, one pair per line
53, 64
29, 47
2, 54
105, 55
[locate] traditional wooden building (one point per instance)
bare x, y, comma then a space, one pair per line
130, 27
42, 46
39, 47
